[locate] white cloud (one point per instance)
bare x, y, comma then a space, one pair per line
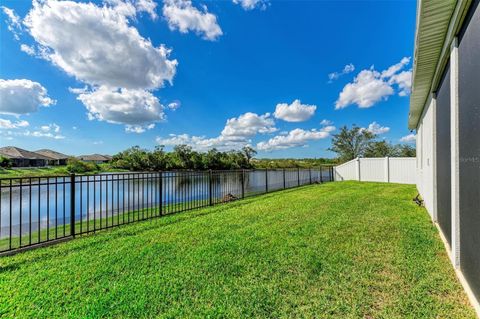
43, 134
7, 124
346, 69
326, 122
45, 131
366, 89
201, 143
7, 135
404, 82
13, 18
237, 133
370, 86
50, 128
13, 22
295, 112
138, 128
395, 68
131, 107
410, 138
30, 50
328, 128
22, 96
174, 105
148, 6
252, 4
132, 7
183, 16
48, 131
99, 47
377, 129
295, 138
78, 90
247, 125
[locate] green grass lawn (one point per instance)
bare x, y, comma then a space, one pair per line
337, 250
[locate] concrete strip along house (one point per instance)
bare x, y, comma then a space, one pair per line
445, 112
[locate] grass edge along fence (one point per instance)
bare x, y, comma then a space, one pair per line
37, 211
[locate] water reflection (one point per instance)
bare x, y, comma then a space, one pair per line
46, 202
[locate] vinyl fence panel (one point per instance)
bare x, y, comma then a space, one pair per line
346, 171
372, 169
402, 170
383, 169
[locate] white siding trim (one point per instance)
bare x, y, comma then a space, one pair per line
434, 158
455, 160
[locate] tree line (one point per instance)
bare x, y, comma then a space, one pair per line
292, 162
182, 157
348, 144
355, 142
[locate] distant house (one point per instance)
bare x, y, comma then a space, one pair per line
95, 158
56, 157
24, 158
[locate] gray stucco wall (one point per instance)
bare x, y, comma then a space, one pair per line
444, 215
469, 146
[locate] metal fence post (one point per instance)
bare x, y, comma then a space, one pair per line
243, 183
310, 174
210, 187
161, 192
321, 173
298, 176
284, 181
72, 205
266, 180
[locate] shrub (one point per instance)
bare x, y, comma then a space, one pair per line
77, 166
5, 162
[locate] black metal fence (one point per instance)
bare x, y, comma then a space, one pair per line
38, 210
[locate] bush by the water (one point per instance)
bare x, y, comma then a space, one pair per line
77, 166
5, 162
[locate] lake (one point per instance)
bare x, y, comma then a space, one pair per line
31, 205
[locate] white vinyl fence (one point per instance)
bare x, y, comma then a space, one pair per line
383, 169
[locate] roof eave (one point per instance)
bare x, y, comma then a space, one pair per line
433, 26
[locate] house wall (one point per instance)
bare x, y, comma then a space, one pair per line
443, 160
25, 162
469, 146
448, 134
425, 156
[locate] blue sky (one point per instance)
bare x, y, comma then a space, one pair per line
98, 77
